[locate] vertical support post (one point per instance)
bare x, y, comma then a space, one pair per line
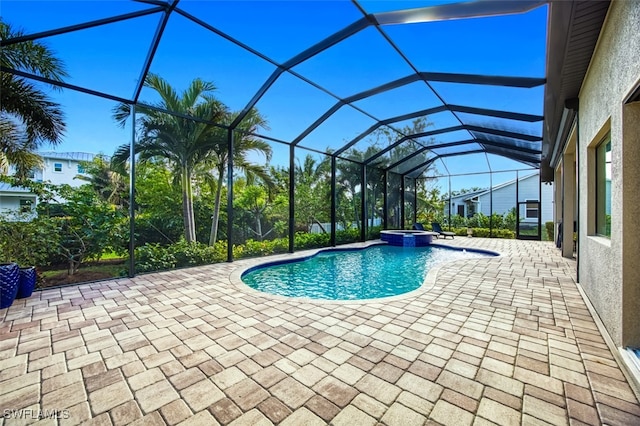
363, 202
577, 180
402, 188
449, 219
292, 196
415, 201
517, 206
132, 195
539, 207
490, 204
568, 202
385, 201
230, 196
332, 241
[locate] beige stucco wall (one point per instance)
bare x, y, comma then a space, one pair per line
613, 72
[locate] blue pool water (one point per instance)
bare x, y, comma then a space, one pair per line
377, 271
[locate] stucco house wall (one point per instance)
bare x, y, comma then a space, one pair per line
10, 202
58, 168
613, 73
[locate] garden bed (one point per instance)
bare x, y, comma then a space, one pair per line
57, 275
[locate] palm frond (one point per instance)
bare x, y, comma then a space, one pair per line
43, 119
195, 91
32, 56
121, 113
167, 93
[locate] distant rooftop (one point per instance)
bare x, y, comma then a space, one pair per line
4, 186
77, 156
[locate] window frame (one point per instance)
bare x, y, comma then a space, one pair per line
55, 168
602, 195
535, 209
26, 205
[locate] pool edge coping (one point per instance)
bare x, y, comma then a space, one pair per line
428, 283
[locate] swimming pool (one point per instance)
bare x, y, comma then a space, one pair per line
353, 274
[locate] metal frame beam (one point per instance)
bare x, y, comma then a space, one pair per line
462, 10
333, 39
152, 49
82, 26
521, 82
471, 128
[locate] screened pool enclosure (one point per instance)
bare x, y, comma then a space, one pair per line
265, 127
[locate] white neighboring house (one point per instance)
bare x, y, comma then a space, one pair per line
504, 199
58, 168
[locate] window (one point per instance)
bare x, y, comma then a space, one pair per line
532, 209
25, 205
57, 167
603, 187
81, 169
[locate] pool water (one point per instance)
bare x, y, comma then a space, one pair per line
374, 272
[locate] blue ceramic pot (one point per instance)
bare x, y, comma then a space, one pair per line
9, 281
27, 282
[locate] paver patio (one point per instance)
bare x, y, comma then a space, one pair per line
506, 340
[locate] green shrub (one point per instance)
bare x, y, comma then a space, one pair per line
504, 233
191, 254
510, 219
303, 240
374, 232
30, 243
154, 257
486, 233
348, 236
549, 226
478, 220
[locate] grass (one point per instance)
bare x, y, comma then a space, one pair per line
112, 256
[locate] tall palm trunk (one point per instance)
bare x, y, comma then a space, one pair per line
187, 206
213, 237
259, 227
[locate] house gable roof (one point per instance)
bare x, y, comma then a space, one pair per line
467, 196
75, 156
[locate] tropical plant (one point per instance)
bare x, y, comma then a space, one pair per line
430, 204
349, 191
254, 201
312, 192
110, 184
183, 142
88, 227
244, 144
158, 199
29, 242
28, 117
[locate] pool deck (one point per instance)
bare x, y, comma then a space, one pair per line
506, 340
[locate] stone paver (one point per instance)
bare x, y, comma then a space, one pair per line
505, 340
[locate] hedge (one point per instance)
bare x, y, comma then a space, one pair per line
155, 257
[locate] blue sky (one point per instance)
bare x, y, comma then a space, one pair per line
109, 59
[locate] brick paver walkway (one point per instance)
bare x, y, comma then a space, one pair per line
505, 340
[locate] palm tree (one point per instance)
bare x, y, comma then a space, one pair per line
109, 184
184, 143
312, 190
243, 144
28, 117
